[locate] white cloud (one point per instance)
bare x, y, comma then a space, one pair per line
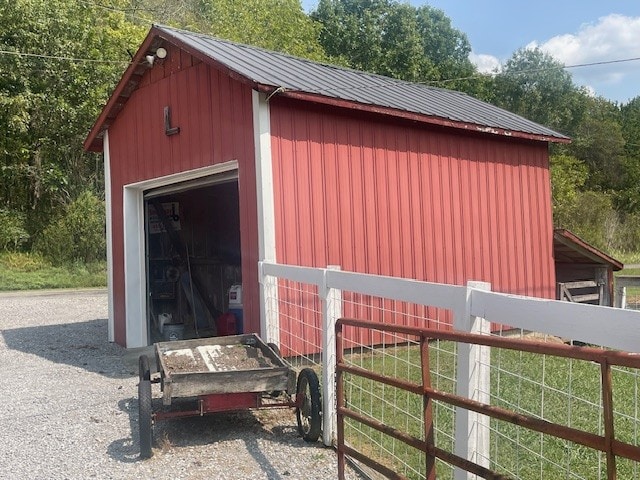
614, 37
485, 63
610, 38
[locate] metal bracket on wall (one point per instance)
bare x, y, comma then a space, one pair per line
168, 129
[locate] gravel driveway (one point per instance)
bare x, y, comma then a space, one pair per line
69, 408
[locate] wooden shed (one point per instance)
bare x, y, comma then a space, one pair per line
218, 155
584, 274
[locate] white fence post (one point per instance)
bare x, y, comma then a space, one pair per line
331, 300
269, 321
473, 381
620, 290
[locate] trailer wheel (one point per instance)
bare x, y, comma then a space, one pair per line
144, 418
309, 411
144, 371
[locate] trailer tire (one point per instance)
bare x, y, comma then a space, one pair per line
144, 371
309, 411
144, 418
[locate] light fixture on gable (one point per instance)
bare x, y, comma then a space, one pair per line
161, 53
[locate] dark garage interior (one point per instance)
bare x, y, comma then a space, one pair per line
193, 261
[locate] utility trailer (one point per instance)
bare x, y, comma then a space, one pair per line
223, 374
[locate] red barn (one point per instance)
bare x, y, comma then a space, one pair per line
218, 155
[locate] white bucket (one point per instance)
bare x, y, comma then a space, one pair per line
163, 319
235, 296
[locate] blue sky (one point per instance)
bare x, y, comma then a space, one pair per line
573, 31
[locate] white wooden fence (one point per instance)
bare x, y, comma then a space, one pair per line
473, 306
620, 294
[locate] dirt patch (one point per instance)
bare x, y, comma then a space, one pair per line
216, 358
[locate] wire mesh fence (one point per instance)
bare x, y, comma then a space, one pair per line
297, 306
397, 356
563, 391
299, 329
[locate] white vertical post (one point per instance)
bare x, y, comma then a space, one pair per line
137, 333
331, 300
109, 232
473, 382
270, 328
266, 209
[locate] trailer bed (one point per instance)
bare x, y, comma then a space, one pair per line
218, 365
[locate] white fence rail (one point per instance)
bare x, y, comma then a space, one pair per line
472, 308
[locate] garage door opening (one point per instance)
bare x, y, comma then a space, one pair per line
193, 259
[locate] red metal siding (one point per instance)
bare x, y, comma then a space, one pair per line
409, 201
215, 117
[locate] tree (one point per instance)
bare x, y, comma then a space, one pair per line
630, 118
50, 99
78, 234
568, 176
279, 25
393, 39
536, 86
598, 141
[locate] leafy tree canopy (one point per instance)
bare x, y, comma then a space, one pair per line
279, 25
535, 85
394, 39
49, 99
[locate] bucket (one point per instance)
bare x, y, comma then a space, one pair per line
163, 319
173, 331
235, 296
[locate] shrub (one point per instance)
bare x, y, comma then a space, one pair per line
23, 261
77, 236
12, 230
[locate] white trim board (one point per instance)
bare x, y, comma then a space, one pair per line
266, 210
109, 234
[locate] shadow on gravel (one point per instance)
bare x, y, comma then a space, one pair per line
217, 427
126, 450
83, 345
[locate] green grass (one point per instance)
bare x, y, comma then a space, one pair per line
22, 271
558, 390
626, 257
628, 271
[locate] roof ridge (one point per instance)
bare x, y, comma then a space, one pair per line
331, 84
387, 79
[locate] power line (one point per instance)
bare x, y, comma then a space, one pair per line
362, 87
128, 12
535, 70
59, 57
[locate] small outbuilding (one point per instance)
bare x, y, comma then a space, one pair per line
584, 274
218, 155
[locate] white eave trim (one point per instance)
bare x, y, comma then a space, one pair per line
109, 234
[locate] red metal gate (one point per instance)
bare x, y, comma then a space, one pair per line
606, 443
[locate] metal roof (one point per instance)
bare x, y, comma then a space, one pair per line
283, 74
300, 75
569, 248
